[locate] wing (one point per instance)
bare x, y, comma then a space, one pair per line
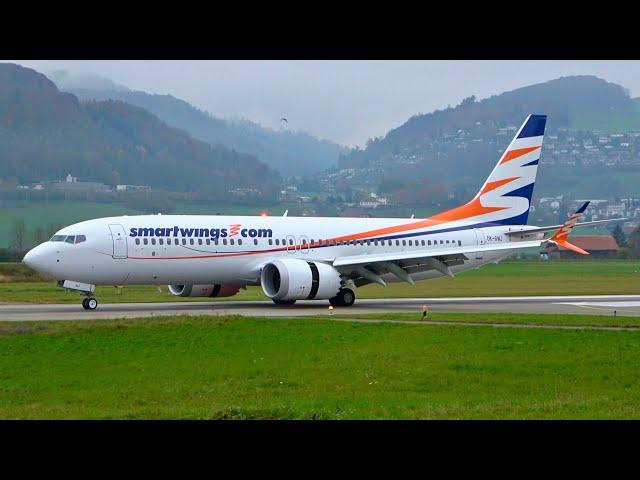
363, 269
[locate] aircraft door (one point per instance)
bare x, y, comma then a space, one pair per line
119, 241
304, 244
480, 241
291, 244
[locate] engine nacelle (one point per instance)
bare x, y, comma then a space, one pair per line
204, 290
293, 279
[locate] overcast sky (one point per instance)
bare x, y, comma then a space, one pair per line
344, 101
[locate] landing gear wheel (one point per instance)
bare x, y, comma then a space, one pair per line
283, 302
344, 298
90, 303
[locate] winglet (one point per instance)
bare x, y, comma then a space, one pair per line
561, 236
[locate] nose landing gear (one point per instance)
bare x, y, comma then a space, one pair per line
89, 303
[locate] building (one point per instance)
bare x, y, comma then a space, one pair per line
598, 246
134, 188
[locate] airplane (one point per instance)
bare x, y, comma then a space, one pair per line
306, 258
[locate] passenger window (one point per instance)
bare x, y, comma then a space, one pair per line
291, 241
459, 243
447, 241
270, 242
168, 241
239, 241
224, 242
161, 241
368, 242
215, 242
422, 242
397, 242
70, 239
184, 241
232, 241
208, 241
191, 242
145, 241
441, 242
410, 243
199, 241
404, 243
137, 241
153, 241
277, 241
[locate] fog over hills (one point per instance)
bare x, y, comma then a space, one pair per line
289, 152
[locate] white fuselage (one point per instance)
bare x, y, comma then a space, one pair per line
198, 249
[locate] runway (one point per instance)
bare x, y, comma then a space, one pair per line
622, 305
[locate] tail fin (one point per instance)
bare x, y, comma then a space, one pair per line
505, 197
561, 236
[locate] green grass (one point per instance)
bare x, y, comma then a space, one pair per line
513, 278
570, 320
233, 367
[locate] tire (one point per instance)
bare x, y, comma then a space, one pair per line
92, 303
84, 303
348, 297
283, 302
344, 298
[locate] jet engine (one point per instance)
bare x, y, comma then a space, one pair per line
289, 279
204, 290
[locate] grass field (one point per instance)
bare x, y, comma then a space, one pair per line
509, 278
237, 368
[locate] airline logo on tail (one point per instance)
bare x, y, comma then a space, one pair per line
505, 197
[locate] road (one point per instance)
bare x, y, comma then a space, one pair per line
624, 305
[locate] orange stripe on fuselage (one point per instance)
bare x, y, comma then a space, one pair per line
518, 152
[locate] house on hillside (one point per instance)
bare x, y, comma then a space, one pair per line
598, 246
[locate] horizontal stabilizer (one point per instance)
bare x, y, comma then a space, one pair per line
553, 228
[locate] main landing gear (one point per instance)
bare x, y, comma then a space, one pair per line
283, 302
344, 298
89, 303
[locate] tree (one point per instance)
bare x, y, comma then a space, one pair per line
634, 242
19, 234
618, 234
39, 235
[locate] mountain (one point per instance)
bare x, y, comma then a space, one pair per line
290, 152
459, 145
45, 134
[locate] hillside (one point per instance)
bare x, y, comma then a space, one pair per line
45, 134
290, 152
458, 146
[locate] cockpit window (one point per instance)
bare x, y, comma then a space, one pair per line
80, 238
58, 238
70, 239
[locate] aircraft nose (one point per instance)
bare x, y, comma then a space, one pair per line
35, 258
